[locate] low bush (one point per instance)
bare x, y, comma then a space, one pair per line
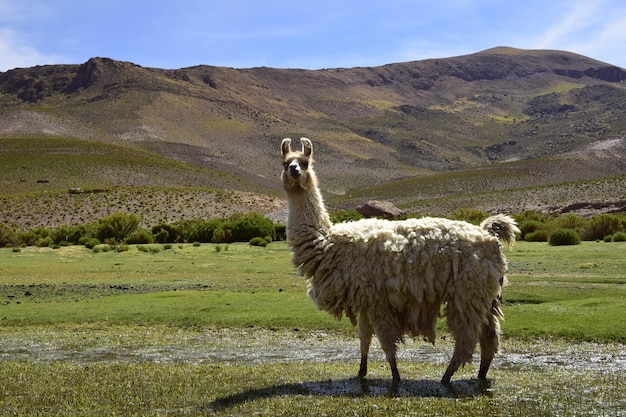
473, 216
281, 231
44, 242
528, 227
602, 225
122, 248
537, 236
116, 227
564, 237
149, 248
345, 216
243, 227
258, 241
102, 248
7, 236
619, 237
90, 242
203, 231
140, 237
570, 221
165, 233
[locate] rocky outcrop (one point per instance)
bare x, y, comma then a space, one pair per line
384, 209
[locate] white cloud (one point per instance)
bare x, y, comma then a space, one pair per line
16, 53
579, 18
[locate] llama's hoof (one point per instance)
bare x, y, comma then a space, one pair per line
484, 383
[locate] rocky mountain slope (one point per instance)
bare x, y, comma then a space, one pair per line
370, 126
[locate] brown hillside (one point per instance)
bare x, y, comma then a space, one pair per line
369, 125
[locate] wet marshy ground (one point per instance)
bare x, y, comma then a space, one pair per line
259, 346
531, 376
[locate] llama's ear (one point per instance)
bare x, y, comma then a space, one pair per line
285, 146
307, 147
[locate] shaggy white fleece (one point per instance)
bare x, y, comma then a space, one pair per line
392, 277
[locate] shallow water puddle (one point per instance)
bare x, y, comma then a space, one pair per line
260, 346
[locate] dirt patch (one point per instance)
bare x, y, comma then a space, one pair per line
46, 293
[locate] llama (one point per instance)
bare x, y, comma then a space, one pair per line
392, 277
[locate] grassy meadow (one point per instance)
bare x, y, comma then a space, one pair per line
228, 330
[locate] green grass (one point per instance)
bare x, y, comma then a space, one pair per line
178, 333
574, 292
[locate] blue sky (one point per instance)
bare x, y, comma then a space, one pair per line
300, 34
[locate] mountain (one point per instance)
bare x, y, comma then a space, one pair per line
540, 114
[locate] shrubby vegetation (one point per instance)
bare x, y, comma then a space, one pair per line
570, 229
122, 229
560, 237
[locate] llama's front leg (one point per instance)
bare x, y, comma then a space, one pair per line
388, 335
489, 343
365, 335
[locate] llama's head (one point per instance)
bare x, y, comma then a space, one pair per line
298, 172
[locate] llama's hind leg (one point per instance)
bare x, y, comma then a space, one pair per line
465, 342
365, 335
462, 354
489, 343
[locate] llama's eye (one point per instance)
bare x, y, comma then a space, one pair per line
304, 164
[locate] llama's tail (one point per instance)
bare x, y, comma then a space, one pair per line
503, 227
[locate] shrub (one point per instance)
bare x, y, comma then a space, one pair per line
242, 228
564, 237
531, 215
537, 236
619, 237
117, 226
90, 242
281, 231
68, 234
258, 241
473, 216
600, 226
165, 233
570, 221
196, 244
203, 232
149, 248
121, 248
36, 237
345, 216
7, 236
167, 246
140, 237
101, 248
528, 227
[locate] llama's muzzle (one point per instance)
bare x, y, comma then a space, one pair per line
294, 169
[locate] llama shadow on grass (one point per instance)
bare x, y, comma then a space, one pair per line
355, 387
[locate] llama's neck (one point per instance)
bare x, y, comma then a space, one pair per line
308, 218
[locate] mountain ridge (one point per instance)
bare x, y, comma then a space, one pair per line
370, 125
